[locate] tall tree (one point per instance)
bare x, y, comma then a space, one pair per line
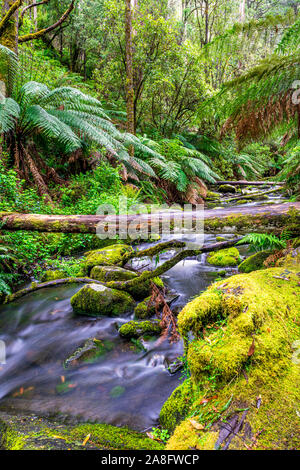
129, 69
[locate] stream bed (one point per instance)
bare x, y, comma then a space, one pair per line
125, 386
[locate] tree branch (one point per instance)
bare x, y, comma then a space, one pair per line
42, 32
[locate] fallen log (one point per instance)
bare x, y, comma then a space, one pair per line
264, 219
250, 183
123, 285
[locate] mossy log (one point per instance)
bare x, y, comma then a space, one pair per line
264, 219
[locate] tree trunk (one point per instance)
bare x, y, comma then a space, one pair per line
261, 219
129, 69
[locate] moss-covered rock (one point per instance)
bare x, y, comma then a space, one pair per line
91, 351
142, 289
109, 256
97, 300
226, 257
145, 309
243, 361
227, 188
134, 329
33, 433
111, 273
177, 406
254, 262
53, 276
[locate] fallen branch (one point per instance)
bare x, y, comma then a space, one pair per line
58, 282
42, 32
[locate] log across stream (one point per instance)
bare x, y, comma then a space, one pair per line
265, 218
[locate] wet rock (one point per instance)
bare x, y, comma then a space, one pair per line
173, 366
111, 273
254, 262
92, 350
134, 329
109, 256
97, 300
227, 257
141, 290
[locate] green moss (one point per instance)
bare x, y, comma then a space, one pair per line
227, 188
111, 273
244, 330
176, 408
109, 256
96, 300
53, 276
142, 289
254, 262
134, 329
117, 391
227, 257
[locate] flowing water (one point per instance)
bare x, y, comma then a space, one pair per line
125, 386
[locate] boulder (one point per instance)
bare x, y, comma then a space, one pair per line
109, 256
226, 257
134, 329
211, 196
97, 300
111, 273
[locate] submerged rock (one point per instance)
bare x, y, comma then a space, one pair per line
111, 273
97, 300
227, 257
33, 433
53, 276
254, 262
134, 329
109, 256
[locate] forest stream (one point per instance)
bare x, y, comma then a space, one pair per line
126, 385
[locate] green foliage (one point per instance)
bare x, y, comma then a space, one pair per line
160, 434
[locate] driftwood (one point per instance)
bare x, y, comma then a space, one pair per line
268, 218
250, 183
123, 285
